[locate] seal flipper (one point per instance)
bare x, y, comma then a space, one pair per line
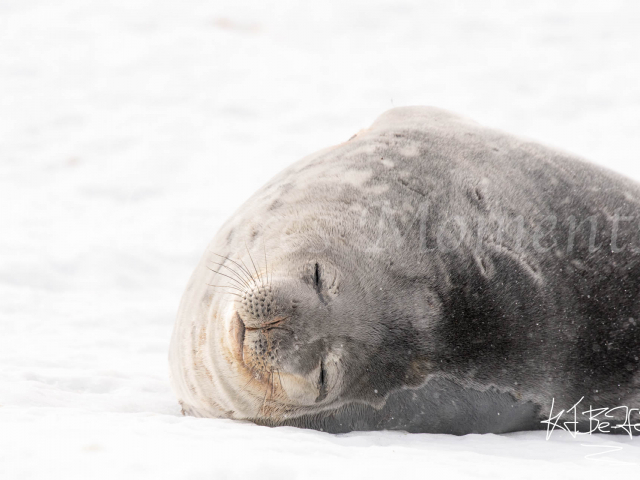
439, 406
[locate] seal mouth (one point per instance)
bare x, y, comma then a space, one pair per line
275, 323
238, 329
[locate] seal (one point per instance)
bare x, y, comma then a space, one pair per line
428, 275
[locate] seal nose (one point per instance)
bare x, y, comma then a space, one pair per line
257, 306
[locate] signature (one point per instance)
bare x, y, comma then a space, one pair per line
601, 420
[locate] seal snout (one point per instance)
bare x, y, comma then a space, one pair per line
260, 332
257, 306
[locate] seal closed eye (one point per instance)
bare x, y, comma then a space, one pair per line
428, 275
316, 277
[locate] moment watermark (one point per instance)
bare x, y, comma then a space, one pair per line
431, 230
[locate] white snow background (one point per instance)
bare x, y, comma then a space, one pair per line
131, 129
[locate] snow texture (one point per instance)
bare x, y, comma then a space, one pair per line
130, 130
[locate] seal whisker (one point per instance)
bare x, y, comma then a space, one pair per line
264, 400
235, 272
220, 273
279, 378
225, 286
230, 269
225, 275
252, 279
242, 269
271, 380
250, 379
231, 293
254, 265
266, 265
271, 384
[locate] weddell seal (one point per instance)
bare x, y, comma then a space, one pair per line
428, 275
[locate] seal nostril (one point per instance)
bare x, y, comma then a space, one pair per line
237, 334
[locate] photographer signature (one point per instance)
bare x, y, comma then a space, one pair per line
601, 420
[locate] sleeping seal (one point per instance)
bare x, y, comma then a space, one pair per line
428, 275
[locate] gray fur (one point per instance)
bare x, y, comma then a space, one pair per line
413, 278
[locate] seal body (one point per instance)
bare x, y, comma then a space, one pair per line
428, 275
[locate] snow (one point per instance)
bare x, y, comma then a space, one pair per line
130, 129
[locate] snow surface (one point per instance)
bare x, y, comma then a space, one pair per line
130, 129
